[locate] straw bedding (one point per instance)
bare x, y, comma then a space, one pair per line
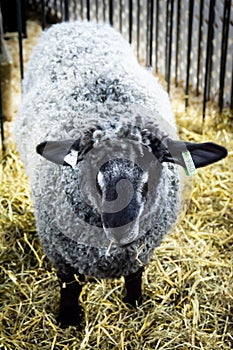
188, 294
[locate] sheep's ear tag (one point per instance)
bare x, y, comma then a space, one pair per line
72, 158
189, 164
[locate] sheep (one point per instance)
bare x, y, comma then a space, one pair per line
100, 145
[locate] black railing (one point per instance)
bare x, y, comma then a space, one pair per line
188, 42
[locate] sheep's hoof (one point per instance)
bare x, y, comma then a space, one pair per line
70, 317
132, 303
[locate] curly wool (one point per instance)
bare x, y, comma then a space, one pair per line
84, 82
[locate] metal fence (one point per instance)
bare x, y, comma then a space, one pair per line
189, 42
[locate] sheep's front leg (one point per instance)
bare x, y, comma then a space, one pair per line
133, 285
70, 313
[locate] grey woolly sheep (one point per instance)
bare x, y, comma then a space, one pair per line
108, 186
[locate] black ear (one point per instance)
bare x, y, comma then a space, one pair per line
59, 152
202, 154
206, 153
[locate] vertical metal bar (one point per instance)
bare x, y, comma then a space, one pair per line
81, 9
104, 10
231, 103
209, 53
169, 29
24, 25
170, 46
88, 10
74, 10
130, 20
43, 16
138, 27
190, 31
225, 35
66, 8
120, 15
97, 10
147, 31
120, 8
167, 39
111, 12
211, 23
2, 119
200, 35
157, 37
20, 38
1, 107
177, 40
149, 44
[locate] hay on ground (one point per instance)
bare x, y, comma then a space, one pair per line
188, 296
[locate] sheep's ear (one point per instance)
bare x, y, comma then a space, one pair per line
206, 153
202, 154
63, 152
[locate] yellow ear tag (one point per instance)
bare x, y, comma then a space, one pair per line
190, 166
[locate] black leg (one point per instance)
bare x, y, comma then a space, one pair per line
133, 285
70, 313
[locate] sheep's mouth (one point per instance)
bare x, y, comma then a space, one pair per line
121, 236
121, 232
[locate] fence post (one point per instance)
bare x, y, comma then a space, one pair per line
225, 34
190, 31
169, 29
2, 119
209, 53
20, 37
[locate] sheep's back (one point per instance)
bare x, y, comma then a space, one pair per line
76, 70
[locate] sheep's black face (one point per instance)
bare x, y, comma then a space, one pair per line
123, 186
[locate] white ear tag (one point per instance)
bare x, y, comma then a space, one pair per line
72, 158
190, 166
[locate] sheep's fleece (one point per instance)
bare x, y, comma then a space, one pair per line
84, 77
